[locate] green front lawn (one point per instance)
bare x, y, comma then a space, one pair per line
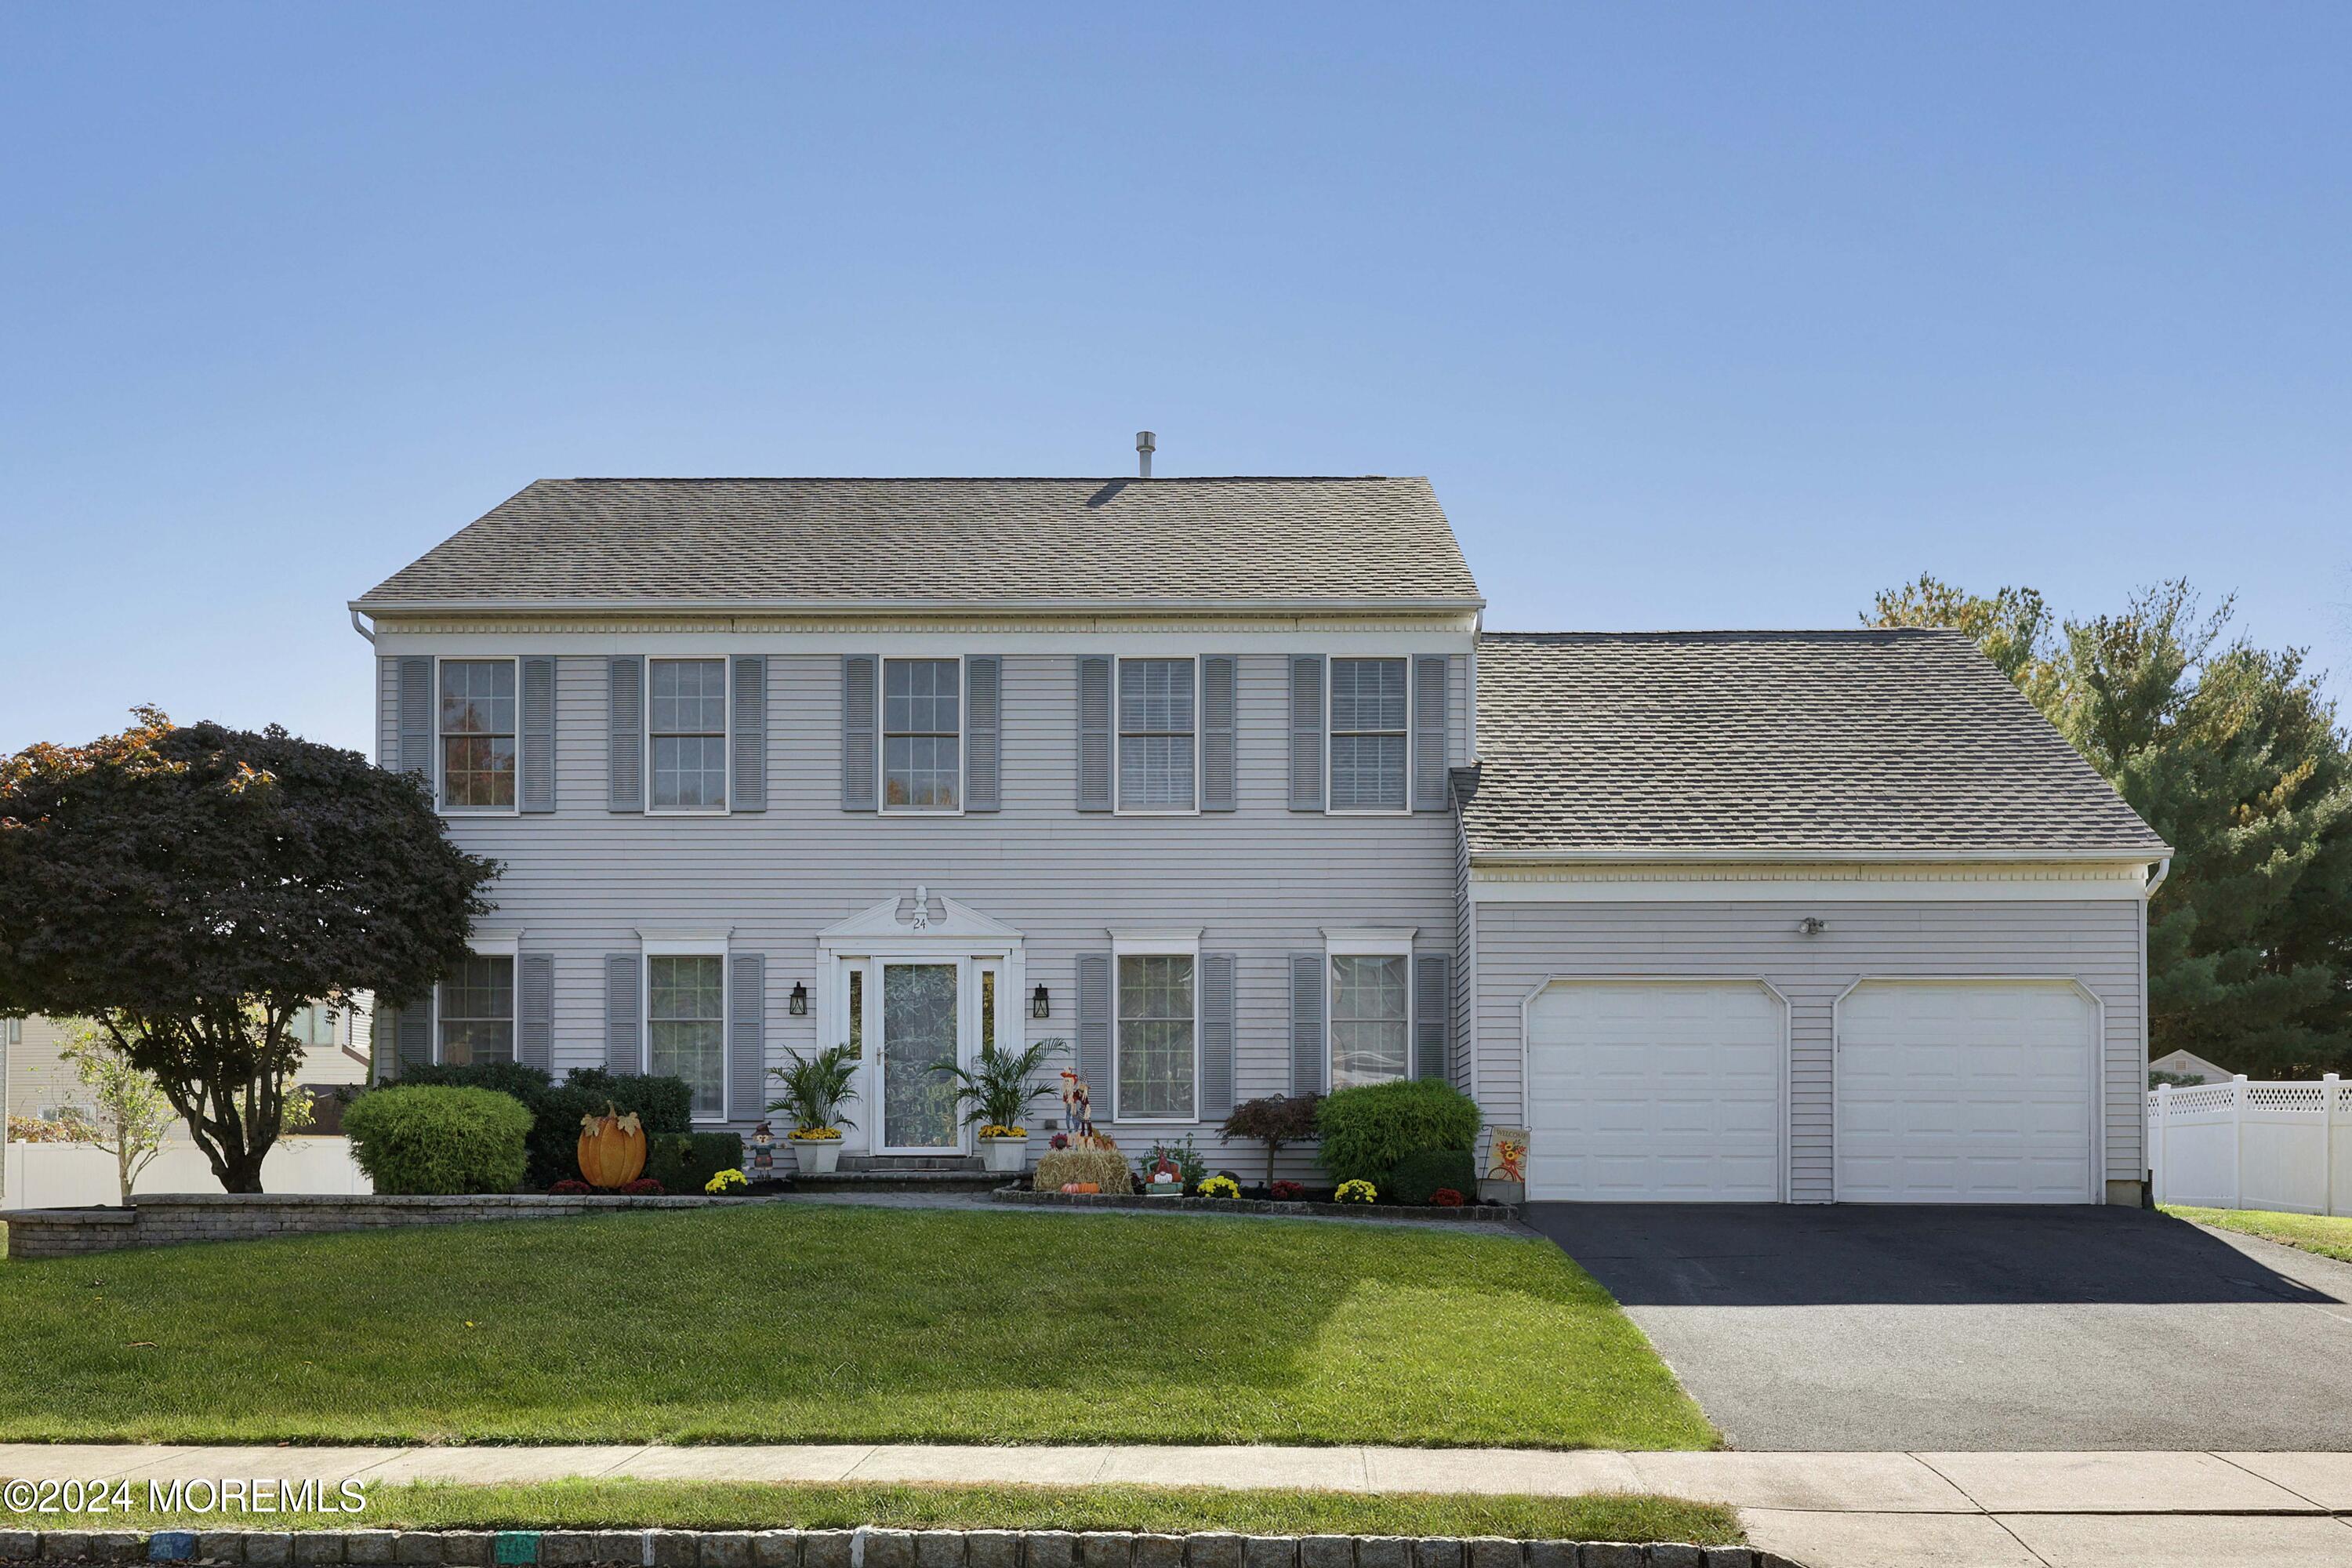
2330, 1238
673, 1505
805, 1323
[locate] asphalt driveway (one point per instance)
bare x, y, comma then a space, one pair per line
1931, 1329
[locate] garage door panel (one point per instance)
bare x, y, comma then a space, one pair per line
1975, 1091
1656, 1091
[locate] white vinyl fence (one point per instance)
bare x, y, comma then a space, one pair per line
2241, 1145
75, 1175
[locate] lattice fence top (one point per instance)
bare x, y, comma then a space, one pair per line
2195, 1101
2200, 1099
2286, 1096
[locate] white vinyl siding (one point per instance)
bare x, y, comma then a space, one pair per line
922, 735
686, 1026
686, 734
1159, 736
1370, 734
477, 728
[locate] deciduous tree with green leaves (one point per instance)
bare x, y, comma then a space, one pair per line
131, 1116
190, 890
2233, 753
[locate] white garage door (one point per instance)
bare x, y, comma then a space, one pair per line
1978, 1091
1657, 1092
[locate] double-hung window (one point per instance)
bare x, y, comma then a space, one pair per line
922, 735
1158, 742
478, 734
478, 1011
686, 1026
1159, 1067
1370, 725
1371, 1018
686, 725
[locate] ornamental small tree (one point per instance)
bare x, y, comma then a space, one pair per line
191, 890
1276, 1120
131, 1116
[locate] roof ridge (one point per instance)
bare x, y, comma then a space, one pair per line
968, 479
1724, 632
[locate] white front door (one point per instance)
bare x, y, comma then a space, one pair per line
1966, 1091
1654, 1091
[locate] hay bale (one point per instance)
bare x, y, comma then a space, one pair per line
1056, 1168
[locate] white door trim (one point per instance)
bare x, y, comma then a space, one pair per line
1788, 1050
2096, 1188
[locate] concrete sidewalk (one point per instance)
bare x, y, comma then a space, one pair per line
1828, 1511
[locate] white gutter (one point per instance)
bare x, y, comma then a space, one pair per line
2156, 878
1663, 857
356, 625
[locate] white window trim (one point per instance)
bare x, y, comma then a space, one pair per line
1330, 752
1366, 941
689, 944
882, 806
1119, 739
440, 750
493, 944
727, 745
1155, 943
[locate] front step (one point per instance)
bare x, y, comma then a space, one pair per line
888, 1162
974, 1180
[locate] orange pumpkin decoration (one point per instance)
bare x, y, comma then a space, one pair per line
612, 1148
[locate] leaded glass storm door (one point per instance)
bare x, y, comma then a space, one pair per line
922, 1023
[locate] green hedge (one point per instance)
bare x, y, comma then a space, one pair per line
1418, 1175
662, 1104
430, 1137
1366, 1132
683, 1161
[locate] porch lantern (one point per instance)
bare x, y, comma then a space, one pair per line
800, 999
1040, 1005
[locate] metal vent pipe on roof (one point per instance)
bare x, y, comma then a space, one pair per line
1145, 444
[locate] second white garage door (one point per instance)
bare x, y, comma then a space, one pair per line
1965, 1091
1659, 1091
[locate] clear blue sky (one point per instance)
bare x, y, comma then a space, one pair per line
1698, 316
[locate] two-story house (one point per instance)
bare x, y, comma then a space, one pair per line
1220, 780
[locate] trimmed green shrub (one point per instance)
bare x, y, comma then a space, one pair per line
683, 1161
1365, 1131
430, 1137
662, 1104
1419, 1174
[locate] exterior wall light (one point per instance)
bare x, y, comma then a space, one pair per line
1812, 926
1040, 1005
800, 999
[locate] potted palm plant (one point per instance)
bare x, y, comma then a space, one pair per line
814, 1089
995, 1092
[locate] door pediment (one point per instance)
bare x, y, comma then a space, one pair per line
922, 916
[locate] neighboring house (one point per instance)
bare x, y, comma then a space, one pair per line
41, 1085
2190, 1065
1221, 781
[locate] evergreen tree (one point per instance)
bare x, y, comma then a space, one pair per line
2231, 753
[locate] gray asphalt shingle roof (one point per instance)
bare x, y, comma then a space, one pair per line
953, 540
1848, 741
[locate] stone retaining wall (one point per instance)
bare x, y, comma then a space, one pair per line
1468, 1214
853, 1549
166, 1219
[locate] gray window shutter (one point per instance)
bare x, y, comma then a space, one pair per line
747, 1035
746, 751
1217, 732
1095, 738
1432, 1008
1430, 780
622, 1013
1307, 1047
538, 784
1216, 1035
415, 1029
983, 733
535, 1011
1095, 1028
859, 785
414, 717
1307, 731
625, 716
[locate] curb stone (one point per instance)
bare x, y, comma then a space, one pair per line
849, 1549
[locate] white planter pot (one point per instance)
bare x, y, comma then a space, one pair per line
817, 1156
1005, 1156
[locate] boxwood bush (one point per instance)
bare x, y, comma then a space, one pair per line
429, 1137
1366, 1132
662, 1104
